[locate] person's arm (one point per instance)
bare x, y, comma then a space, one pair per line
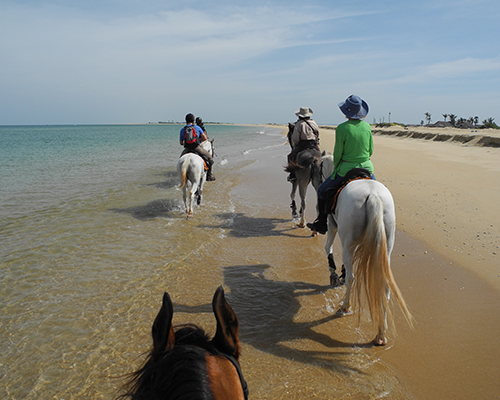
181, 136
296, 134
201, 133
371, 142
338, 150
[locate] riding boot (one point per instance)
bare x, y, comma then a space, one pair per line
320, 225
210, 177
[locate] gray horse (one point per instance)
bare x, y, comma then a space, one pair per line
307, 169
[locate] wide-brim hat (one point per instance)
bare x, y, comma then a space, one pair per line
304, 112
354, 107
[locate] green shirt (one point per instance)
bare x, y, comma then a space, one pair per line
353, 147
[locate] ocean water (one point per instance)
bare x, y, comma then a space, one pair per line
93, 231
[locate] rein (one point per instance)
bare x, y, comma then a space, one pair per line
322, 177
244, 384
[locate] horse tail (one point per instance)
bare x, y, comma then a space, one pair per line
304, 159
373, 275
292, 167
184, 168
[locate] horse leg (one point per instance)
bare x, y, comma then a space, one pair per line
199, 193
192, 193
293, 206
381, 338
185, 199
345, 308
302, 212
335, 281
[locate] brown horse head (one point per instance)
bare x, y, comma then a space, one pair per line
185, 363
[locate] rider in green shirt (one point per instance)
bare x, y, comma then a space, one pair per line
353, 149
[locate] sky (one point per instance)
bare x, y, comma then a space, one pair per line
140, 61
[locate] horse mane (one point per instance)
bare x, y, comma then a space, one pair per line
168, 374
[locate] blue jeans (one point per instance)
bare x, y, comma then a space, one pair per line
330, 183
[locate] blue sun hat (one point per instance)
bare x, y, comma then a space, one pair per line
354, 107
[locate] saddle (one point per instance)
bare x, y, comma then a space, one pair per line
332, 193
188, 150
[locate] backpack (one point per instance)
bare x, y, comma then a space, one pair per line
190, 135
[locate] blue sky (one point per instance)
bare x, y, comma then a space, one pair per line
133, 61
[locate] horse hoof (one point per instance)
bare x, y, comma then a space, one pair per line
300, 225
334, 280
380, 341
343, 312
314, 234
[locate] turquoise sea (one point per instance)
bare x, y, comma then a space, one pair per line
89, 216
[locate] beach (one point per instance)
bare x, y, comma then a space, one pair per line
93, 237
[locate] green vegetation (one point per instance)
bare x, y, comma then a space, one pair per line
388, 124
459, 122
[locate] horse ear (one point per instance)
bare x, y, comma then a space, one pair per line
163, 331
226, 337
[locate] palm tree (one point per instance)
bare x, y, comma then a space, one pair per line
445, 116
476, 120
453, 118
488, 123
428, 118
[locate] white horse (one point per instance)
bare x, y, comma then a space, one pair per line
191, 170
365, 220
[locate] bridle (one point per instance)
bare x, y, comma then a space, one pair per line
236, 364
322, 177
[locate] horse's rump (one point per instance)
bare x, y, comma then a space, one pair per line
366, 221
304, 159
183, 166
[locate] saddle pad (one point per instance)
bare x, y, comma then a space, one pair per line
333, 193
344, 184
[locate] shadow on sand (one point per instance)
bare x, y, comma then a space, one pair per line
243, 226
266, 311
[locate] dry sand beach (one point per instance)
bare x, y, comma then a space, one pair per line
446, 186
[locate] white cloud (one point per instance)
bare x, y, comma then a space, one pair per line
93, 62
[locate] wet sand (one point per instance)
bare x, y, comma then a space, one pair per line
445, 259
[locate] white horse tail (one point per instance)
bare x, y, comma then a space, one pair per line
184, 168
373, 274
